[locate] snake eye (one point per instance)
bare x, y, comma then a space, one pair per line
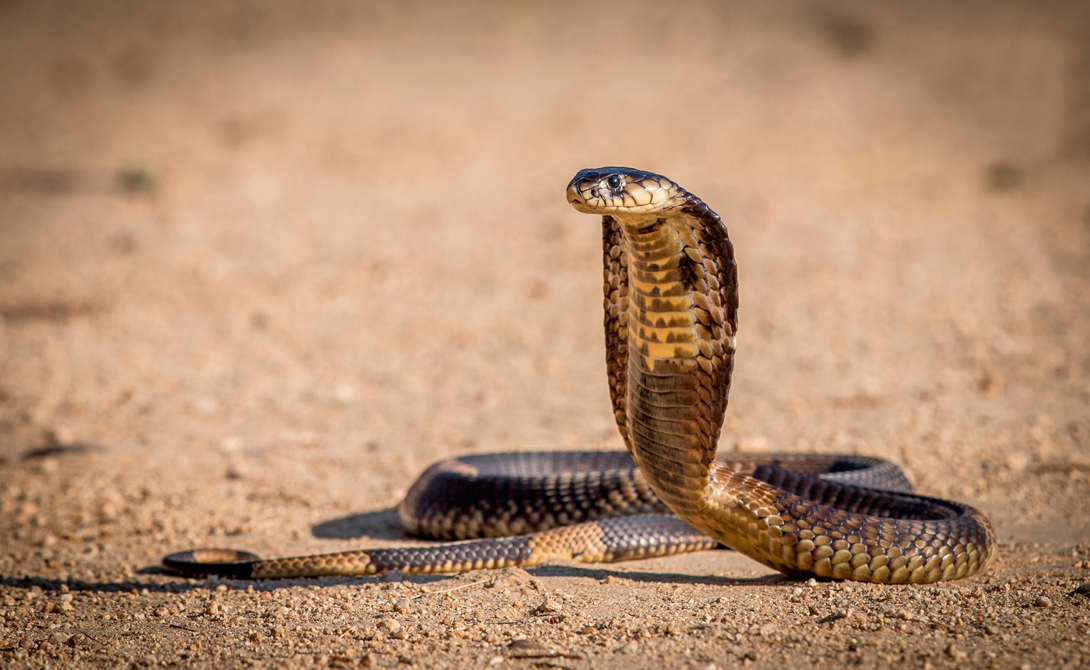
614, 181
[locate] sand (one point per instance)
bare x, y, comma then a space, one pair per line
260, 264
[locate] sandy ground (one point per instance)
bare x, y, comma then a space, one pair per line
262, 263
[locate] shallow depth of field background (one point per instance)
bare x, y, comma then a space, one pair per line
261, 263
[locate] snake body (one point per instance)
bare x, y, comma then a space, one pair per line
671, 317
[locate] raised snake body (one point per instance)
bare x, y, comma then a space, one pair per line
671, 316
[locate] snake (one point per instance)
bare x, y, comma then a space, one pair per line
671, 322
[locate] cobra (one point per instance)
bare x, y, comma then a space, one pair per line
671, 320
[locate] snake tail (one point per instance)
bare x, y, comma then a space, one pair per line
608, 541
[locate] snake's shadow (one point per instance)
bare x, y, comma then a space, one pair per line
379, 525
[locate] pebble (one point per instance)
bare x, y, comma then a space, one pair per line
957, 654
390, 625
630, 648
1042, 601
402, 606
548, 606
59, 638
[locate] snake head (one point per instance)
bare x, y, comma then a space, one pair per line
621, 191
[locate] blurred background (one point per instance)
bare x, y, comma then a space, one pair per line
268, 260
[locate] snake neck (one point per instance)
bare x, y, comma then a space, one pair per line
678, 367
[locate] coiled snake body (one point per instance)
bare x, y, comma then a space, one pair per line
671, 316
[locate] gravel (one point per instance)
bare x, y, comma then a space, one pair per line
341, 254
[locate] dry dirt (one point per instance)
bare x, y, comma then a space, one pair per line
260, 263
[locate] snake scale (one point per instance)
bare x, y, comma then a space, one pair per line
671, 320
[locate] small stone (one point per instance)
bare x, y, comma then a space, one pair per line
811, 582
77, 640
496, 660
813, 610
991, 630
1042, 601
390, 625
548, 606
369, 660
842, 614
221, 588
255, 637
402, 606
212, 609
66, 598
630, 648
59, 638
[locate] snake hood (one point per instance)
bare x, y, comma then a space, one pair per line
623, 191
